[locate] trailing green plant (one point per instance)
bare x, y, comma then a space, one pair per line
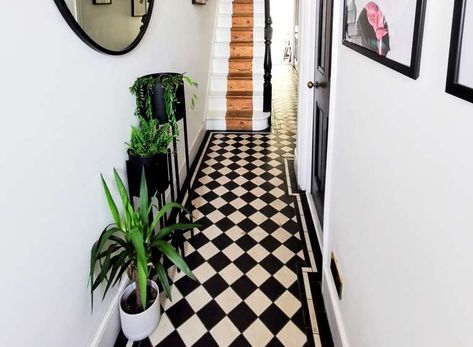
148, 138
143, 89
131, 244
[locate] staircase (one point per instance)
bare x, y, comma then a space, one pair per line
236, 81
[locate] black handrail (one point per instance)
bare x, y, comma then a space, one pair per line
268, 64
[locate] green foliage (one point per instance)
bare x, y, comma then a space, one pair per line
143, 89
132, 244
149, 138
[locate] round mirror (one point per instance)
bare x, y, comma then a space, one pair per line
109, 26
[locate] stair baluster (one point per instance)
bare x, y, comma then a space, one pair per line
268, 64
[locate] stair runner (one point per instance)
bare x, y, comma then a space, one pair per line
240, 68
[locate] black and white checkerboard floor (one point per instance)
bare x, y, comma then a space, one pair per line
252, 256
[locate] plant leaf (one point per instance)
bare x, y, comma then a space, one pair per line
179, 226
165, 209
163, 278
122, 191
173, 256
111, 204
144, 200
142, 264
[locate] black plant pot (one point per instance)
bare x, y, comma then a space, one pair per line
157, 100
156, 173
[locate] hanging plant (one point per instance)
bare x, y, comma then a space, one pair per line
144, 88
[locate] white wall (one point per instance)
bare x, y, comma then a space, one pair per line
66, 112
282, 14
400, 196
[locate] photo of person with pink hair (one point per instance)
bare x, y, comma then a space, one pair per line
388, 31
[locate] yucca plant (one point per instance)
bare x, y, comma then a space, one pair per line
131, 244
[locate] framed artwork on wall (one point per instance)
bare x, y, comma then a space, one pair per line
138, 8
387, 31
460, 64
102, 2
199, 2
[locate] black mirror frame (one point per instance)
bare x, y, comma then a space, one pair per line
453, 86
71, 21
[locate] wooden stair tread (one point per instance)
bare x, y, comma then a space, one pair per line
241, 43
240, 114
240, 94
240, 75
243, 29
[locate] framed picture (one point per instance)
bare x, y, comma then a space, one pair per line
387, 31
199, 2
102, 2
460, 65
138, 8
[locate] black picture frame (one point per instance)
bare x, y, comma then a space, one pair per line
138, 8
102, 2
199, 2
453, 86
412, 70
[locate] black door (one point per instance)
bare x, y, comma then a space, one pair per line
321, 88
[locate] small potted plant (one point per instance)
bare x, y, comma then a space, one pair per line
147, 150
132, 245
161, 96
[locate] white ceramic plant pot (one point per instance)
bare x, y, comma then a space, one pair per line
137, 327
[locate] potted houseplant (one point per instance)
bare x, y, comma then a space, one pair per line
161, 96
159, 100
147, 150
131, 245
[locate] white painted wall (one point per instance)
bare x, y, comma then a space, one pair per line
282, 14
400, 196
66, 112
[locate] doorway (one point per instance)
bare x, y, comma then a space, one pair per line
321, 109
284, 17
315, 57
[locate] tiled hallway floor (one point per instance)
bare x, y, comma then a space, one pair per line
252, 254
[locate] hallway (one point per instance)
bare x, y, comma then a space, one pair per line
252, 256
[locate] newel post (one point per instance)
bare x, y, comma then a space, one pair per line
268, 64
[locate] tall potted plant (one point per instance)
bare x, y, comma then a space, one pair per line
131, 245
159, 100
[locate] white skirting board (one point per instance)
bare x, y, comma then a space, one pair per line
332, 309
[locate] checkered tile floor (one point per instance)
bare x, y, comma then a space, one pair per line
248, 252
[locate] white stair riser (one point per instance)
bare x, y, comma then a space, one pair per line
220, 65
227, 7
220, 84
219, 103
225, 21
222, 50
224, 35
218, 121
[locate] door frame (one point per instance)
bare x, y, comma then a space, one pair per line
305, 112
303, 153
